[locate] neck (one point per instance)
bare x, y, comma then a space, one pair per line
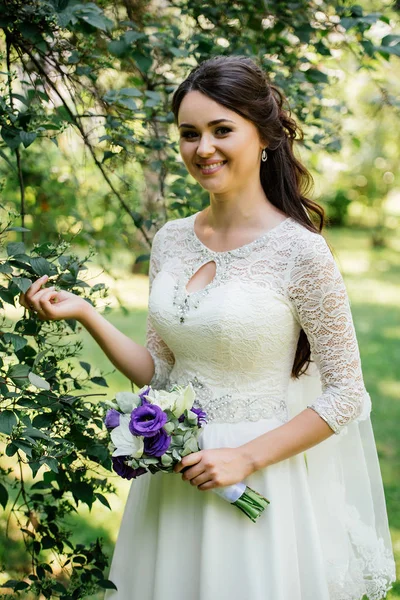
241, 209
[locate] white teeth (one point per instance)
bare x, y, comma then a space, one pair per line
211, 167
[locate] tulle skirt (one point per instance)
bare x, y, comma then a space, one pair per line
179, 543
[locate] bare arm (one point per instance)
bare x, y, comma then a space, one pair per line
132, 359
299, 434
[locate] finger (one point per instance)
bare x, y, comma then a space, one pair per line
209, 485
34, 302
22, 301
35, 287
45, 301
187, 461
191, 472
200, 479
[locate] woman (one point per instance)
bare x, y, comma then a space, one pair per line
242, 295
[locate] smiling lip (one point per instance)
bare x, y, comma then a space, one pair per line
213, 167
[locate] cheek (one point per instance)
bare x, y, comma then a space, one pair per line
186, 153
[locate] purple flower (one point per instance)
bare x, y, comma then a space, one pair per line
124, 470
112, 418
158, 444
146, 420
201, 416
143, 394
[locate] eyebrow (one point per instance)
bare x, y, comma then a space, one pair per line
209, 124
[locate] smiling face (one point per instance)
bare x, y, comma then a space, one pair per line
220, 148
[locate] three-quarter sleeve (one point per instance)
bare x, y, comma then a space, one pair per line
318, 293
162, 356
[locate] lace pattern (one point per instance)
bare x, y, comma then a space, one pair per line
269, 289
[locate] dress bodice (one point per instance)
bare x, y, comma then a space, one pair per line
235, 340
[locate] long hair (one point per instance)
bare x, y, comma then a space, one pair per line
240, 85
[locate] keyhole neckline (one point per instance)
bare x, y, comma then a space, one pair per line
244, 247
210, 284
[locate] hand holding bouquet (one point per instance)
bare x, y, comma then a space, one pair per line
151, 431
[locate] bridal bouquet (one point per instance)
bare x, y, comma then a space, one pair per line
152, 430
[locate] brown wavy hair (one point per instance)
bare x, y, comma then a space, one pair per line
240, 85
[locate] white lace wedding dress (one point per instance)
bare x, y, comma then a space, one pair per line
325, 534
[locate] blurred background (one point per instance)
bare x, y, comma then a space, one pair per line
89, 157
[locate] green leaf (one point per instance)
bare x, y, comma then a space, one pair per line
11, 136
107, 584
11, 449
19, 374
7, 421
38, 382
99, 381
94, 16
25, 446
85, 366
142, 258
316, 76
20, 229
35, 433
41, 266
3, 496
103, 500
17, 341
15, 248
21, 585
82, 491
143, 61
118, 47
52, 463
166, 460
131, 92
22, 283
27, 137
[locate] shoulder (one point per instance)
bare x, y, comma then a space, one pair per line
312, 266
307, 246
172, 230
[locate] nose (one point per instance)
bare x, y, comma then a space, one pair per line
206, 146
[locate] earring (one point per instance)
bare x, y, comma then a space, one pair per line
264, 155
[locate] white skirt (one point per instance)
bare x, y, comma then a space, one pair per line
179, 543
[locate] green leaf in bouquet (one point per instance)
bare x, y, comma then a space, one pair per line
178, 440
191, 417
192, 445
133, 463
175, 455
183, 427
151, 460
166, 460
169, 427
187, 436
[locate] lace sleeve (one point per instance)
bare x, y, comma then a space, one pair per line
318, 293
162, 356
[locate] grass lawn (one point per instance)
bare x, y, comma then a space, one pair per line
372, 278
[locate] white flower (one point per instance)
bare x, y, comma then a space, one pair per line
127, 401
184, 400
165, 400
126, 444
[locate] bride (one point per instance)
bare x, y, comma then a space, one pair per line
247, 303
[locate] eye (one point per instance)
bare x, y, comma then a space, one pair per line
226, 129
218, 131
188, 134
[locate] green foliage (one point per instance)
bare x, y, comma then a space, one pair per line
111, 79
49, 427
